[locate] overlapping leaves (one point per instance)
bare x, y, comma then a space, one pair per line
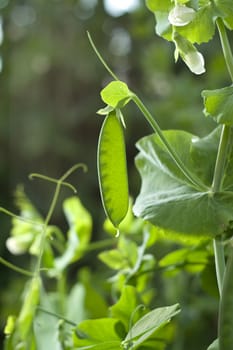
127, 328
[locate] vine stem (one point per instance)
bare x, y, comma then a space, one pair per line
221, 156
59, 184
193, 180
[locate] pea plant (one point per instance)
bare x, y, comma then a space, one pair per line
186, 194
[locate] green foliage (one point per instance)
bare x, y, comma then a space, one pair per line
185, 196
164, 188
118, 332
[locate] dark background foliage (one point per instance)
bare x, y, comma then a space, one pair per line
50, 83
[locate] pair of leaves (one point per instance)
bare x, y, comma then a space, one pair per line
118, 332
167, 200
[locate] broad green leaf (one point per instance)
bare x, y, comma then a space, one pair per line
158, 5
166, 198
149, 323
99, 332
219, 104
124, 309
79, 234
116, 94
112, 169
201, 29
214, 345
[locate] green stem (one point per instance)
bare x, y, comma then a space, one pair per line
53, 314
193, 180
15, 268
59, 183
219, 263
226, 48
222, 156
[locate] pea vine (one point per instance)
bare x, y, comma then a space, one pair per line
186, 195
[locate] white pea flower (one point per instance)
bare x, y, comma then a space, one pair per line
181, 15
195, 61
189, 54
18, 244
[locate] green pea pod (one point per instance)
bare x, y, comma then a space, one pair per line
226, 308
112, 169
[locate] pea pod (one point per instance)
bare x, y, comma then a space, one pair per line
226, 308
112, 169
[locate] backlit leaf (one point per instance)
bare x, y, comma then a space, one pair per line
126, 305
149, 323
219, 104
158, 5
167, 200
116, 94
201, 29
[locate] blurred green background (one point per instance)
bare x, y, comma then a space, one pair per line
50, 82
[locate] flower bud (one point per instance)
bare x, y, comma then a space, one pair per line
181, 15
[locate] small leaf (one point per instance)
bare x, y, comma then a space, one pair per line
116, 94
114, 259
105, 111
10, 325
112, 169
219, 104
126, 305
99, 334
149, 323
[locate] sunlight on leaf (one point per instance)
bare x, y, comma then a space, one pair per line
116, 94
